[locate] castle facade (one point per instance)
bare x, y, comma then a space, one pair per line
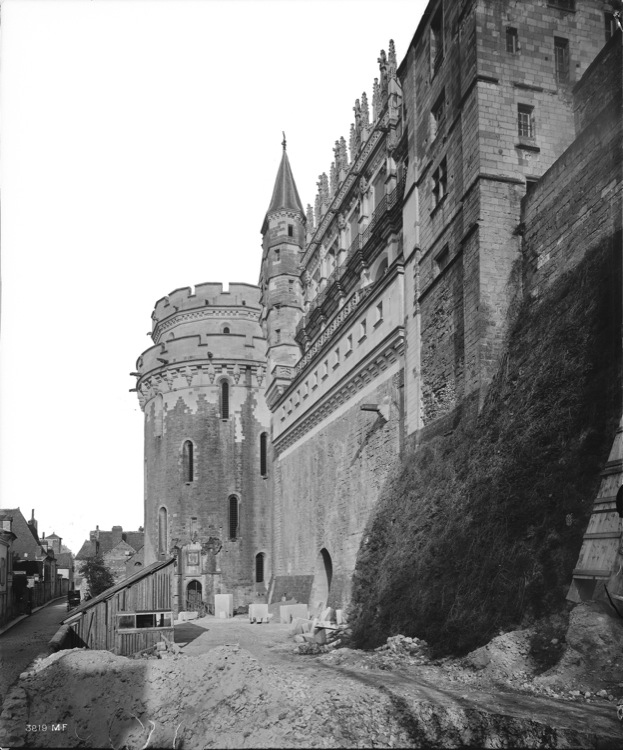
274, 414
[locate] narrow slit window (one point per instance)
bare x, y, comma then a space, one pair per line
233, 517
441, 260
263, 454
440, 183
259, 568
224, 400
188, 461
163, 531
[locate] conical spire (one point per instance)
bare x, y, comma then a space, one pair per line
285, 194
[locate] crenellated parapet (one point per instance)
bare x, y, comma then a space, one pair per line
245, 295
201, 335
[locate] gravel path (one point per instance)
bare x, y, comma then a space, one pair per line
26, 640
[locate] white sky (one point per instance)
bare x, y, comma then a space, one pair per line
139, 145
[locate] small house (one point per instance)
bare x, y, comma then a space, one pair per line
128, 617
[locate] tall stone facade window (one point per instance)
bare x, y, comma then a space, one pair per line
163, 531
263, 454
525, 121
234, 519
610, 26
259, 567
436, 40
561, 59
188, 461
512, 40
224, 400
438, 114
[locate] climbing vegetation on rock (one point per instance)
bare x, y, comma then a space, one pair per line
479, 529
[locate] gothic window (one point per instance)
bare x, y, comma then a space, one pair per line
263, 454
561, 59
512, 40
525, 121
163, 531
259, 567
224, 400
188, 461
233, 517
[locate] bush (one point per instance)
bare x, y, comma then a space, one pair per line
98, 575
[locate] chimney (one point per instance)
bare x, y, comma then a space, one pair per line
117, 535
33, 523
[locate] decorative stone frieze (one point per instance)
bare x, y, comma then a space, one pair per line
370, 370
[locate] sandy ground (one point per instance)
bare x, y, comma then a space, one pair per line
235, 684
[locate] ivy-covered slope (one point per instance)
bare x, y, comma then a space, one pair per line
481, 529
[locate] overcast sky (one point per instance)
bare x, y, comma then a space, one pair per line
139, 145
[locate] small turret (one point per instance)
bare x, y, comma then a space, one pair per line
283, 233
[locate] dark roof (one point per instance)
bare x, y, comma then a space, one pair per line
136, 539
26, 542
87, 550
110, 592
285, 194
64, 560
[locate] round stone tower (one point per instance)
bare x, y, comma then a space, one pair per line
201, 387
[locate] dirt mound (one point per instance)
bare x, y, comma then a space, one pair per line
504, 657
224, 698
593, 658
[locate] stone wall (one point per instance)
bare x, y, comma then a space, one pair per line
325, 486
578, 202
469, 166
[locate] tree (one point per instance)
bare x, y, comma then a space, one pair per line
98, 575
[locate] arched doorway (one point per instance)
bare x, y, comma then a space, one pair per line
321, 586
193, 596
